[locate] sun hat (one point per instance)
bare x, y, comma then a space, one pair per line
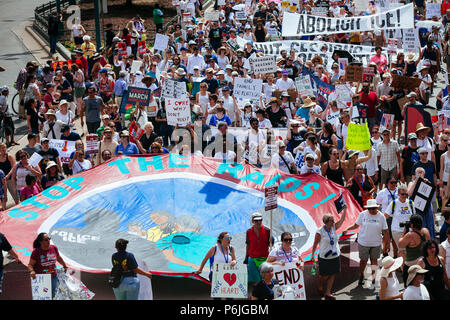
124, 133
410, 57
86, 38
413, 271
351, 153
412, 136
371, 203
411, 94
421, 150
309, 156
285, 94
50, 112
50, 164
63, 102
257, 216
308, 103
390, 264
420, 127
180, 71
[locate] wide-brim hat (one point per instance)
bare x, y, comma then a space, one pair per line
351, 153
413, 271
410, 57
371, 203
390, 264
50, 164
308, 103
50, 112
148, 78
63, 102
181, 71
317, 58
420, 127
275, 99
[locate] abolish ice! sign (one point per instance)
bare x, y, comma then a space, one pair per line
302, 24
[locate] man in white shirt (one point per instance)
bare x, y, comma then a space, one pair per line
372, 234
283, 159
415, 290
195, 59
254, 143
285, 83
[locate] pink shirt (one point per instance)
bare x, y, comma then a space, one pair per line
381, 61
27, 192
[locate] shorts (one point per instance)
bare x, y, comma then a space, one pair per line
78, 40
384, 174
396, 235
79, 92
253, 269
328, 267
369, 252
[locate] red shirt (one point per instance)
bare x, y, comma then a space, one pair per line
258, 246
371, 100
444, 6
45, 260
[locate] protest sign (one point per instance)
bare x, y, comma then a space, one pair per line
135, 66
228, 281
41, 287
387, 122
233, 44
319, 11
343, 63
288, 5
304, 86
133, 97
35, 159
353, 73
359, 113
404, 82
301, 24
246, 88
152, 109
135, 132
212, 15
122, 49
410, 40
263, 65
240, 15
91, 143
173, 89
241, 133
343, 95
161, 42
178, 111
433, 10
422, 196
443, 120
368, 74
358, 137
64, 147
392, 46
142, 48
361, 5
270, 198
291, 275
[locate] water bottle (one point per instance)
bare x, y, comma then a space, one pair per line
314, 268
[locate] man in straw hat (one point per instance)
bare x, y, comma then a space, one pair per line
415, 290
373, 233
303, 111
423, 140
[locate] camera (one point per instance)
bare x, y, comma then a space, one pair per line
404, 224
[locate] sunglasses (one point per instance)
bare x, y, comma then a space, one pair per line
23, 156
228, 238
393, 182
374, 132
46, 239
287, 240
402, 194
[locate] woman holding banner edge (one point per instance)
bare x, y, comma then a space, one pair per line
329, 253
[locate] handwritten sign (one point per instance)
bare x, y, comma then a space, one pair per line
410, 40
358, 137
161, 42
263, 65
246, 88
404, 82
291, 275
64, 147
422, 196
304, 86
240, 15
353, 73
35, 159
387, 122
343, 96
228, 281
173, 89
433, 10
41, 287
178, 111
212, 15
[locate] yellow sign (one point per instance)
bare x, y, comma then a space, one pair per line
358, 137
285, 4
293, 8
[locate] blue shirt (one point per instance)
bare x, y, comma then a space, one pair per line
131, 148
214, 120
119, 87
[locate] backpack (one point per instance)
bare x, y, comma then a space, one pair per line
115, 276
411, 206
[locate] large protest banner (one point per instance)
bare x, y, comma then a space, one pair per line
228, 281
247, 88
178, 111
291, 275
263, 65
301, 24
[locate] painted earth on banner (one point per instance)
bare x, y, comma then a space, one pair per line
171, 209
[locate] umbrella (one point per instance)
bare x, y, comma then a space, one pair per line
343, 54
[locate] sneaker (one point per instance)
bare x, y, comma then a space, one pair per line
361, 280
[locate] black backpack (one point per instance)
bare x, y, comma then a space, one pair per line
115, 276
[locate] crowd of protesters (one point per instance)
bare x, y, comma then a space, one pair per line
283, 129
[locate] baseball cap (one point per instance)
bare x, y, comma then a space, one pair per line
257, 216
412, 136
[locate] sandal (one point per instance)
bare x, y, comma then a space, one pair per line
330, 297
